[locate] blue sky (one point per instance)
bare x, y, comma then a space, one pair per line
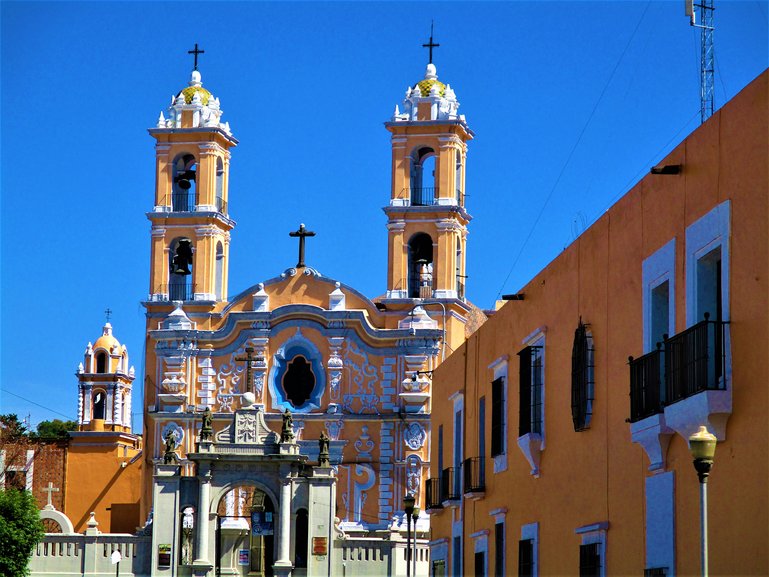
571, 103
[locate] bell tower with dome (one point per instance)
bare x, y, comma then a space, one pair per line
190, 220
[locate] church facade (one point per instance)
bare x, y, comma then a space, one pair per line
284, 425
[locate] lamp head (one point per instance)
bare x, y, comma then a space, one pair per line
408, 504
415, 513
702, 446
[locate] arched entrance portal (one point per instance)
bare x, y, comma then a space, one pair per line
245, 536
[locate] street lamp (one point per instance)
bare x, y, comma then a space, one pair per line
415, 516
702, 446
408, 508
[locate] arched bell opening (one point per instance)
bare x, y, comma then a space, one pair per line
246, 522
184, 180
101, 362
219, 270
423, 190
99, 404
220, 204
420, 272
180, 270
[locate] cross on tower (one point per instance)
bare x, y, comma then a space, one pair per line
249, 358
108, 313
196, 52
302, 233
430, 44
50, 490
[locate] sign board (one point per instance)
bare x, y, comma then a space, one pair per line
262, 523
164, 555
116, 557
320, 545
244, 557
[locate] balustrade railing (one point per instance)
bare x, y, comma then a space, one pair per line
433, 494
474, 475
179, 291
647, 377
450, 485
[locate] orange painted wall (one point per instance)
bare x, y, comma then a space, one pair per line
97, 482
599, 474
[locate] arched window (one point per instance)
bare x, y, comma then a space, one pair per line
298, 380
300, 538
582, 378
420, 266
101, 362
184, 178
180, 270
220, 186
126, 417
219, 270
423, 189
458, 178
99, 404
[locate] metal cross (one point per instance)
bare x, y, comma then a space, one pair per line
249, 358
430, 44
302, 233
108, 314
50, 490
196, 52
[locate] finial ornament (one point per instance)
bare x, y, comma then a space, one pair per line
287, 432
108, 314
430, 44
323, 455
196, 52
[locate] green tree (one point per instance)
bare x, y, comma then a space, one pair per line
20, 531
56, 429
11, 428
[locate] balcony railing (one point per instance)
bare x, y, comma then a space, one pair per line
695, 360
450, 485
474, 475
647, 378
182, 291
183, 201
423, 196
433, 494
687, 363
460, 289
221, 205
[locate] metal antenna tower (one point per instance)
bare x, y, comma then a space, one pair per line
707, 67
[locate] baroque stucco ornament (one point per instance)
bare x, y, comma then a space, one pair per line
414, 436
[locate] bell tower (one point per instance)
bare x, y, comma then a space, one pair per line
426, 218
190, 220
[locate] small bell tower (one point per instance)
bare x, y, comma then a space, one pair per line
104, 386
426, 218
190, 219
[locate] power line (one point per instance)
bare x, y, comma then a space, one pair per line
573, 150
68, 417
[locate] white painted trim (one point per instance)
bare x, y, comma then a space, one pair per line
656, 269
498, 361
500, 368
596, 533
660, 522
531, 531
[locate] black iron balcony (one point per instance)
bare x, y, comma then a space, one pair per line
183, 201
423, 196
450, 485
474, 475
433, 494
460, 289
695, 360
178, 291
221, 205
646, 384
686, 364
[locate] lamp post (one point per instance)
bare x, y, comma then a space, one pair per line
408, 508
702, 446
415, 516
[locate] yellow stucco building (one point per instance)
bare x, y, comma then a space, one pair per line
553, 454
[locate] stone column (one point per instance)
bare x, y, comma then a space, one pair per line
283, 565
201, 540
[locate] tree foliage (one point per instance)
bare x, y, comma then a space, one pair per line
11, 428
56, 429
20, 530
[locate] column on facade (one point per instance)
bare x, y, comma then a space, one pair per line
285, 523
201, 541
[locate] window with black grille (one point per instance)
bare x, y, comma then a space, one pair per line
526, 558
656, 572
531, 379
498, 415
590, 560
582, 377
499, 549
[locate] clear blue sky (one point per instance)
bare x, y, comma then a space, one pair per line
571, 103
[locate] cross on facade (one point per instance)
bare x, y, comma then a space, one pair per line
249, 358
108, 314
430, 44
50, 490
302, 233
196, 52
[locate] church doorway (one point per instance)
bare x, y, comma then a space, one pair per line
245, 533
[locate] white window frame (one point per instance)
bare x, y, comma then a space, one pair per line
481, 545
532, 444
531, 531
657, 269
499, 367
595, 533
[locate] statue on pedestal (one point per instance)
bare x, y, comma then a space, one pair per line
287, 432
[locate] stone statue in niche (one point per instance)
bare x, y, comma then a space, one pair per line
287, 432
207, 431
299, 381
323, 454
170, 456
188, 527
